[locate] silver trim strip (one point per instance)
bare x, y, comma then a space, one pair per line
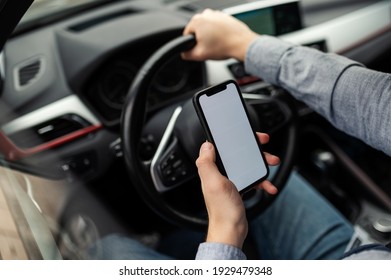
160, 150
251, 96
29, 189
2, 65
256, 6
68, 105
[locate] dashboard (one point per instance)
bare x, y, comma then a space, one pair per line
65, 81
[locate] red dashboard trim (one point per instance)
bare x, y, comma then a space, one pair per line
12, 152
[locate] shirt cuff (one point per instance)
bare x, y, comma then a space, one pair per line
219, 251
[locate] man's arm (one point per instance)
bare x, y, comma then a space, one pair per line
355, 99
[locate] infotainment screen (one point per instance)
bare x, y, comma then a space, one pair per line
271, 17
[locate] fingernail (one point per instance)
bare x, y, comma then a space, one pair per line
206, 146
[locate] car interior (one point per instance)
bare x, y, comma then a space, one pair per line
98, 134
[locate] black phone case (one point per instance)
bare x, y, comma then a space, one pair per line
213, 90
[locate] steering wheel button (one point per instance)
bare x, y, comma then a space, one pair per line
172, 157
164, 165
167, 172
177, 163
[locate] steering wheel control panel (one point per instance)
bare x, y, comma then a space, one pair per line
175, 168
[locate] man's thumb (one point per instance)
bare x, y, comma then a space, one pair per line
206, 160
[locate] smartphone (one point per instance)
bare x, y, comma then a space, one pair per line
225, 120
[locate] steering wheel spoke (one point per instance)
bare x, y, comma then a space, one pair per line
272, 114
170, 167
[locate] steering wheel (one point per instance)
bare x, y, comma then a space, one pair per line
173, 163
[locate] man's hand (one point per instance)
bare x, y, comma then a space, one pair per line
227, 215
219, 36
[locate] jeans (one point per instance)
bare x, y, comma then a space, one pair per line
300, 224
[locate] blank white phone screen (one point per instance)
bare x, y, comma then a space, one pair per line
233, 137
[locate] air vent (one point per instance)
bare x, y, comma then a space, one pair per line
47, 131
28, 72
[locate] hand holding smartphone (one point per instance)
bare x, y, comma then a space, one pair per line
224, 118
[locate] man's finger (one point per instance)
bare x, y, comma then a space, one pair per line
206, 161
268, 187
272, 159
263, 137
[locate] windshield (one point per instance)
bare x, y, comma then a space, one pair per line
42, 8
